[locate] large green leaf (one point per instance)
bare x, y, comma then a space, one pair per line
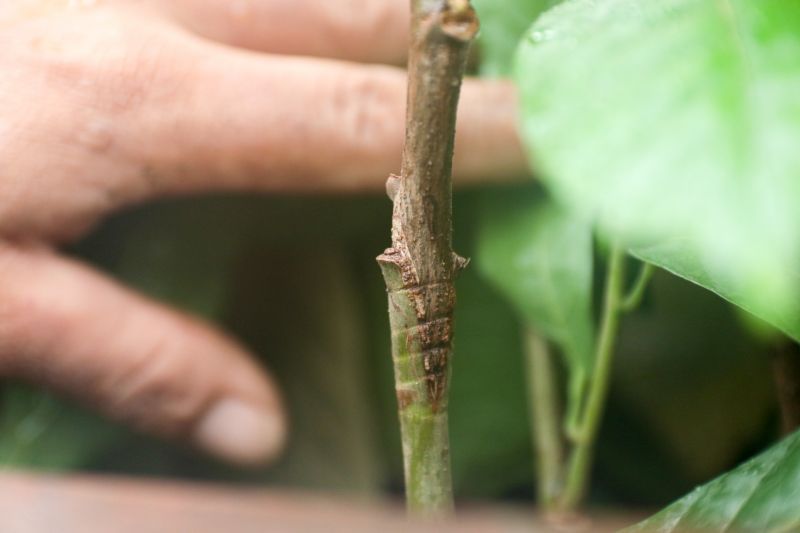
677, 121
540, 257
760, 495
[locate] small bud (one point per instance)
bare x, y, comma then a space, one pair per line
460, 263
392, 186
460, 21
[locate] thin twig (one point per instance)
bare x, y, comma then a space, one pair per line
634, 297
580, 461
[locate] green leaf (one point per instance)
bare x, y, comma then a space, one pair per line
677, 122
760, 495
503, 22
540, 258
683, 261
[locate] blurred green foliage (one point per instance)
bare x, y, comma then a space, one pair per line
538, 254
502, 24
540, 257
674, 125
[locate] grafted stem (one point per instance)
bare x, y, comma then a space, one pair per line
420, 266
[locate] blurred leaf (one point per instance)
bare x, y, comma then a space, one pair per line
503, 23
540, 257
682, 261
490, 437
760, 495
677, 121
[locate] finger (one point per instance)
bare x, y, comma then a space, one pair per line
357, 30
297, 124
67, 328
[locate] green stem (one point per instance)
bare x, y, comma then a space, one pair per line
580, 461
636, 293
544, 411
427, 449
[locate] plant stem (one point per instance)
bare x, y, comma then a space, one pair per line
544, 410
420, 266
580, 461
636, 293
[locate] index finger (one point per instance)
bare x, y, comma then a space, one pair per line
301, 125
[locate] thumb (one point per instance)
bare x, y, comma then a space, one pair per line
67, 328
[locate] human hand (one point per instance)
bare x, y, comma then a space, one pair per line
104, 104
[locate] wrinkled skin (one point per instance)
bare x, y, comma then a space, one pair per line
105, 104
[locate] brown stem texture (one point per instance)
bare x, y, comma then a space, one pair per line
420, 267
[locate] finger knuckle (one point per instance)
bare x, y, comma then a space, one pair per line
157, 390
367, 108
113, 67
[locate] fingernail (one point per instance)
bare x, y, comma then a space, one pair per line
240, 432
